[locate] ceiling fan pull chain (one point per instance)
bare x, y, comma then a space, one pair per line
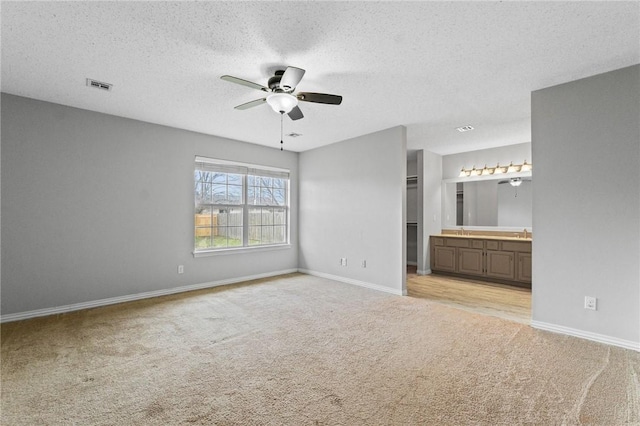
281, 129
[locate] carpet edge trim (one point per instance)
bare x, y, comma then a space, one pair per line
133, 297
600, 338
352, 282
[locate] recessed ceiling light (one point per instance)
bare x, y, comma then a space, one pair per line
464, 128
294, 135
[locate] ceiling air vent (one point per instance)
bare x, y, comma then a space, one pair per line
464, 128
99, 85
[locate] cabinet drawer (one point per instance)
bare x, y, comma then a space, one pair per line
457, 242
438, 241
492, 245
477, 244
516, 246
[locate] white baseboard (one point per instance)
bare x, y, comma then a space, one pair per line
131, 297
425, 272
600, 338
397, 292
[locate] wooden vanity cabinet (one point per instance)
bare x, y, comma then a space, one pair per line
470, 261
445, 259
523, 267
493, 259
500, 264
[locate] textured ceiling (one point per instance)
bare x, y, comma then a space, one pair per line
430, 66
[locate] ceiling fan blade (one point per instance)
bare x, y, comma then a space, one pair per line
296, 113
320, 98
247, 83
252, 104
291, 78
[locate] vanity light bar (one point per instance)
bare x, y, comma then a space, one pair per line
498, 169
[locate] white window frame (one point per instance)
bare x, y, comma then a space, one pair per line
245, 170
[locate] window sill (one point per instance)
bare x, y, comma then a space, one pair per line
239, 250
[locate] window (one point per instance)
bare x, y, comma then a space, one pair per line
239, 205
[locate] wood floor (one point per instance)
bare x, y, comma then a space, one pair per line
504, 301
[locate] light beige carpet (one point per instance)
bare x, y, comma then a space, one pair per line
301, 350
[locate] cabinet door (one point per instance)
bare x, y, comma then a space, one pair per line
470, 261
500, 264
524, 267
445, 259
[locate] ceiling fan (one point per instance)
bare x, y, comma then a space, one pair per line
282, 99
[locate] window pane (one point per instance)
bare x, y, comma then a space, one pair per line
265, 181
254, 216
251, 195
278, 183
251, 180
234, 217
279, 234
279, 217
202, 216
267, 216
219, 217
266, 196
267, 235
218, 177
234, 236
203, 241
199, 192
279, 197
219, 193
254, 235
233, 179
219, 237
234, 194
202, 176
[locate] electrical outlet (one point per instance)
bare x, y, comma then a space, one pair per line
181, 269
590, 303
364, 263
343, 261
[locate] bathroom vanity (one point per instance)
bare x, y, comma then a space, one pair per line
492, 258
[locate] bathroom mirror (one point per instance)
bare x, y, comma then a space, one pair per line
488, 203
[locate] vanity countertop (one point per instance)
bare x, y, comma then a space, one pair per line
484, 237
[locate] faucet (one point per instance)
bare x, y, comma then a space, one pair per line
461, 231
525, 232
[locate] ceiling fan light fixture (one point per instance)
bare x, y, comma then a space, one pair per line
515, 181
282, 102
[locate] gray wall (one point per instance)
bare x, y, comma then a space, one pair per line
96, 206
431, 204
352, 204
586, 204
